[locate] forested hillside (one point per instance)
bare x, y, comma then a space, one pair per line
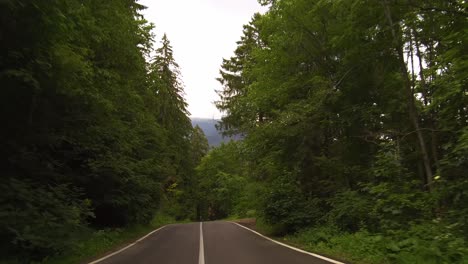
95, 132
357, 128
214, 136
209, 129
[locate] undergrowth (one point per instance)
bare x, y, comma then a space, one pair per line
428, 243
97, 243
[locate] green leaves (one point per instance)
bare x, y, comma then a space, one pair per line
355, 115
40, 220
219, 182
90, 138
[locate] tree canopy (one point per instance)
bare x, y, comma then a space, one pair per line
354, 114
95, 124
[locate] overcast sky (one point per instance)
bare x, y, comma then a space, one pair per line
202, 33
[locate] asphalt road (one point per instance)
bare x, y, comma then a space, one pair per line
223, 243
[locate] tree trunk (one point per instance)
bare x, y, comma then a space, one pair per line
413, 112
426, 102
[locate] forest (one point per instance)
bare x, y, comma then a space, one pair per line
355, 117
352, 115
95, 131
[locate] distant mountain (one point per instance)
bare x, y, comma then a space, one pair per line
208, 127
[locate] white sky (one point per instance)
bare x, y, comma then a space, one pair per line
202, 33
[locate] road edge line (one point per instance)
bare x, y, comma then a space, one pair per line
128, 246
201, 251
290, 247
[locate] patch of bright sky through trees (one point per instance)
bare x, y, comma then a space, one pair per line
202, 33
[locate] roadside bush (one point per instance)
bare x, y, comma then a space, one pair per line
287, 208
395, 193
350, 211
360, 246
426, 243
250, 200
37, 220
96, 242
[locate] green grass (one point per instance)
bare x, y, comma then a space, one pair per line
420, 244
231, 218
100, 242
359, 247
265, 228
405, 247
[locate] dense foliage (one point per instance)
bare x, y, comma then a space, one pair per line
355, 115
95, 130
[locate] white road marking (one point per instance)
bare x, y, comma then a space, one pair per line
201, 255
129, 246
288, 246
